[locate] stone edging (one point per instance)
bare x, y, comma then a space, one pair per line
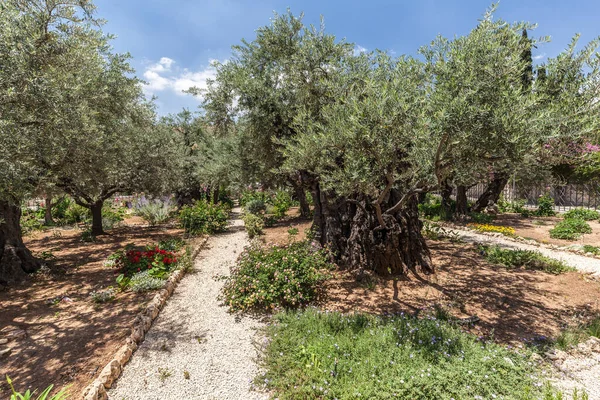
519, 239
140, 326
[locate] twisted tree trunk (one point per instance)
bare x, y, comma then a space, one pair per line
48, 221
16, 261
492, 192
446, 193
96, 209
351, 229
462, 206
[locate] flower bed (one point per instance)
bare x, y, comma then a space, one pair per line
505, 230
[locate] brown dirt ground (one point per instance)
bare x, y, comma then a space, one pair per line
538, 228
512, 304
67, 343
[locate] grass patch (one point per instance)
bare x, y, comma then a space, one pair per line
314, 355
570, 229
523, 258
591, 249
582, 213
572, 336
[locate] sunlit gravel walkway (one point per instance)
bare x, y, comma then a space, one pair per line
195, 349
582, 263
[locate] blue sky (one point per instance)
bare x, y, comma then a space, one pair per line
173, 41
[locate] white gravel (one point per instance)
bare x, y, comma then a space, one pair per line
194, 333
582, 263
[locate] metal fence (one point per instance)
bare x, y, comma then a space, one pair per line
566, 196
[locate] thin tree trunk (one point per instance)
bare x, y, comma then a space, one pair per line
15, 259
301, 195
461, 200
48, 221
96, 209
446, 193
492, 192
216, 194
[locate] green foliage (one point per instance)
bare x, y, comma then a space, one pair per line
75, 214
431, 208
591, 249
144, 281
545, 206
204, 217
582, 213
265, 278
29, 395
282, 201
111, 216
255, 206
250, 195
328, 355
523, 258
155, 212
481, 218
156, 261
570, 229
574, 335
254, 225
171, 244
32, 220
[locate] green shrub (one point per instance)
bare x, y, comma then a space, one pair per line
574, 335
111, 216
282, 202
591, 249
32, 220
204, 217
171, 244
29, 395
523, 258
144, 282
256, 207
431, 208
155, 212
157, 262
482, 218
75, 214
254, 225
249, 195
60, 208
570, 229
545, 206
582, 213
328, 355
269, 277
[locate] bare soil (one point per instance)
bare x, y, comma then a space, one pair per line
513, 305
538, 229
57, 334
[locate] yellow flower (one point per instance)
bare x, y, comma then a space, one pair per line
505, 230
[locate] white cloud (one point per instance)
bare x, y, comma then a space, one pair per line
358, 49
539, 57
166, 76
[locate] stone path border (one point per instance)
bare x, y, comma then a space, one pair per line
141, 324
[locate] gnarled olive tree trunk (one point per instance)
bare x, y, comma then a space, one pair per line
492, 192
351, 229
96, 210
15, 259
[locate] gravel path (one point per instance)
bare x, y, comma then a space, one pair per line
195, 334
582, 263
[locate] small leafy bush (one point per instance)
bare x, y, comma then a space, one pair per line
29, 395
505, 230
144, 282
157, 262
282, 202
75, 214
103, 296
574, 335
171, 244
32, 220
204, 217
254, 225
570, 229
545, 206
277, 276
524, 258
112, 216
582, 213
155, 212
256, 207
591, 249
328, 355
249, 195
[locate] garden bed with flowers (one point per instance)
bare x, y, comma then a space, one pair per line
64, 325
